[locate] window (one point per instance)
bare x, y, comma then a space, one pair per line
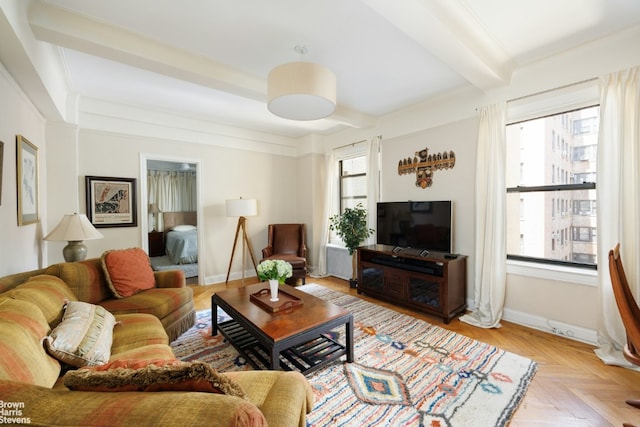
551, 217
353, 182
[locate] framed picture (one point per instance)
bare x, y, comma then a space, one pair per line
111, 202
27, 180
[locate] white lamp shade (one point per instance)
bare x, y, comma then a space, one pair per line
242, 207
74, 227
301, 91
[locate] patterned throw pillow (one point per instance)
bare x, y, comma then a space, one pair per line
84, 336
128, 271
154, 375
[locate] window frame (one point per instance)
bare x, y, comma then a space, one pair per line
351, 151
554, 187
342, 178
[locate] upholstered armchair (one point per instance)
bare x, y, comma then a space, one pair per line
288, 242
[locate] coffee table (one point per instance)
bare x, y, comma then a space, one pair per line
296, 338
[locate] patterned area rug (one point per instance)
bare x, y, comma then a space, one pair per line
407, 372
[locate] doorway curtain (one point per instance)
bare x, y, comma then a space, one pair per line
171, 191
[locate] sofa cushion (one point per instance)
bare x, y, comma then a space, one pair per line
127, 271
84, 278
159, 302
153, 375
148, 352
22, 328
48, 292
70, 408
83, 337
137, 330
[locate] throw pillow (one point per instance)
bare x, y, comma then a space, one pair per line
183, 227
169, 375
84, 336
127, 271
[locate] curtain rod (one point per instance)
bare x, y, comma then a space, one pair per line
552, 89
350, 145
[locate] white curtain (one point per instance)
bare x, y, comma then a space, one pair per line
330, 206
373, 185
172, 191
618, 195
330, 178
490, 210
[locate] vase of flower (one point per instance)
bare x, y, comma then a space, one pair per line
276, 271
273, 285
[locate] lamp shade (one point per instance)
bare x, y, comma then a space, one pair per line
242, 207
153, 208
74, 227
301, 91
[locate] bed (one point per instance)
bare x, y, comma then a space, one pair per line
180, 243
181, 237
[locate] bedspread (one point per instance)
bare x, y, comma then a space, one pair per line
182, 246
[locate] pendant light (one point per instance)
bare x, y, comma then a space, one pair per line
301, 90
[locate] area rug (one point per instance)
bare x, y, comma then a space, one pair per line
407, 372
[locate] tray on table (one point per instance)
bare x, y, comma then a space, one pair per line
286, 301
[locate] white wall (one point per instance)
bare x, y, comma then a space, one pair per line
21, 248
226, 174
456, 184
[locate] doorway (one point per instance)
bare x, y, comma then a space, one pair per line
170, 190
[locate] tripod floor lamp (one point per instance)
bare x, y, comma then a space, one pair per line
242, 208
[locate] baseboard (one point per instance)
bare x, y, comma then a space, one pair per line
555, 327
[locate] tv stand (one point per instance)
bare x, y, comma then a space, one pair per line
431, 282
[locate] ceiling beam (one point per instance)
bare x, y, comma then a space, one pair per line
73, 31
448, 30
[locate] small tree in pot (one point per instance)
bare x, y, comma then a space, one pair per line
352, 228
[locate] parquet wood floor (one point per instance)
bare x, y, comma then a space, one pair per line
571, 388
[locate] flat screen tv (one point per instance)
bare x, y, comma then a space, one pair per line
418, 225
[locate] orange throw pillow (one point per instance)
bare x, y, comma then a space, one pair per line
127, 271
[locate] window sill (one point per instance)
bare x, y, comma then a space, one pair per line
553, 272
336, 245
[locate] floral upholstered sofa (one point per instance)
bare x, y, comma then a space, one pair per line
75, 354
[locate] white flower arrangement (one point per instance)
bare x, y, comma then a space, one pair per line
274, 269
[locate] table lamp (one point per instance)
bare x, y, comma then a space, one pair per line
74, 228
242, 208
153, 210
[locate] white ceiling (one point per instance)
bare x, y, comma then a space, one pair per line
209, 59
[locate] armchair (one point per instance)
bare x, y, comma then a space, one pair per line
629, 312
288, 242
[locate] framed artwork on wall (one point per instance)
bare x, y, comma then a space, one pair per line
27, 180
111, 202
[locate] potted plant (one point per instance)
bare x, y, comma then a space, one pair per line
276, 271
352, 228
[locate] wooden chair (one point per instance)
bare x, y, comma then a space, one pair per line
629, 311
288, 242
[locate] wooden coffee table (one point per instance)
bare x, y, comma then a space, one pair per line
295, 338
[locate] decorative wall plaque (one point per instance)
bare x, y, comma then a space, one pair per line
424, 164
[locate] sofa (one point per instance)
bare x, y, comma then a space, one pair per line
37, 367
